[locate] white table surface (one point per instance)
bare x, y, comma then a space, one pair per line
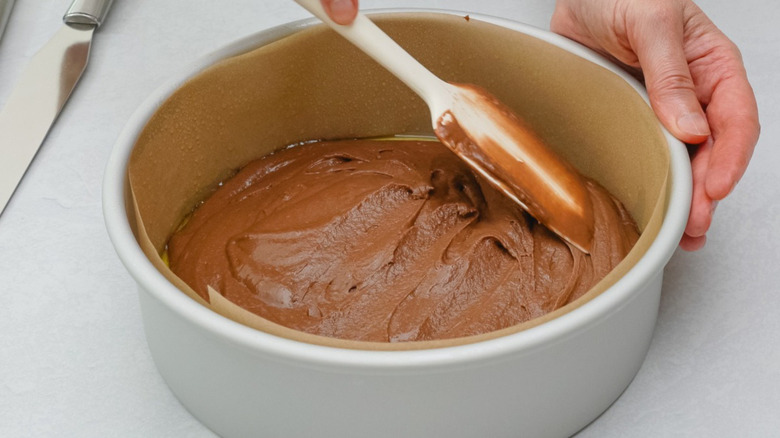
73, 357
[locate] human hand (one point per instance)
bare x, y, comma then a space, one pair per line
694, 76
341, 11
695, 79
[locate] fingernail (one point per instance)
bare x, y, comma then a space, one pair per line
341, 8
693, 124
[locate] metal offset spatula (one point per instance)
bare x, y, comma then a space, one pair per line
43, 88
5, 12
487, 135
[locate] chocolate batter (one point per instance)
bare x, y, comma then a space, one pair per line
386, 241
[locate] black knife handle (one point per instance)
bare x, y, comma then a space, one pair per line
87, 12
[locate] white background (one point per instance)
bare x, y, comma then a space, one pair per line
73, 357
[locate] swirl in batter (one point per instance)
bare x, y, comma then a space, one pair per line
386, 241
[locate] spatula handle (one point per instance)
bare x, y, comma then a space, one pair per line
87, 12
375, 43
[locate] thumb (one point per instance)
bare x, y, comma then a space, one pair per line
341, 11
659, 48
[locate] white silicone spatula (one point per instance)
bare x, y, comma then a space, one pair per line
486, 134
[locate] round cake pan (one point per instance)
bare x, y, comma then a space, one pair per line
548, 379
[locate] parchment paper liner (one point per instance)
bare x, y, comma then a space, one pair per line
314, 85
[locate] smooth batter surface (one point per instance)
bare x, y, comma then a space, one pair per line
386, 241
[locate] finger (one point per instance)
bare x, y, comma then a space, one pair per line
564, 22
702, 206
658, 42
734, 116
731, 153
689, 243
341, 11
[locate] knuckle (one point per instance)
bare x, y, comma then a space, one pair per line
663, 12
674, 82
